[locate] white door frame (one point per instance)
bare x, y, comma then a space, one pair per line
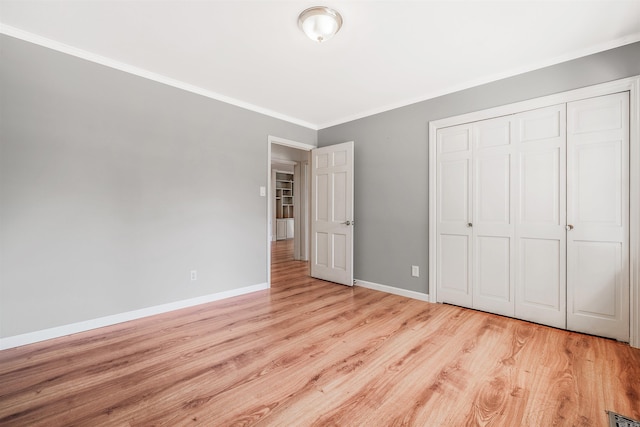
631, 84
289, 143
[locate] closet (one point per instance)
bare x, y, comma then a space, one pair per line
532, 215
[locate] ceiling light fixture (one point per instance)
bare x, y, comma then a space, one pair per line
320, 23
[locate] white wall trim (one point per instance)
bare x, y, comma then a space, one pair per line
392, 290
283, 162
270, 235
634, 213
140, 72
290, 143
112, 63
631, 84
74, 328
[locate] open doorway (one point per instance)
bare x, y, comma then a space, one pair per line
288, 201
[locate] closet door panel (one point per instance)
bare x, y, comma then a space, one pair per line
598, 212
599, 278
541, 124
597, 186
492, 279
492, 216
454, 251
540, 216
454, 174
541, 276
454, 187
540, 200
493, 189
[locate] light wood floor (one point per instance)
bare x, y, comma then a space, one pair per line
306, 353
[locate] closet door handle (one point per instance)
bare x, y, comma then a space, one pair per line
569, 227
469, 224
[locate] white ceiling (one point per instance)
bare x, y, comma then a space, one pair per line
388, 53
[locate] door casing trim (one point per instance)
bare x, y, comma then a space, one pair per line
289, 143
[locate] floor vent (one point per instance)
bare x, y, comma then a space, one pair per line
617, 420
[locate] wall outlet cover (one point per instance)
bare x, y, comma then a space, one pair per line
415, 271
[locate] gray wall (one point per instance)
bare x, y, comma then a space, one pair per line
391, 161
114, 187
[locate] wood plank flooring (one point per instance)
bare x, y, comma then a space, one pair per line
311, 353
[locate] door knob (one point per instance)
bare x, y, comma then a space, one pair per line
469, 224
347, 223
569, 227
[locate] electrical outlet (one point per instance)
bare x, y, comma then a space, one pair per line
194, 275
415, 271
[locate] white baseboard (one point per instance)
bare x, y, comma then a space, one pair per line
74, 328
392, 290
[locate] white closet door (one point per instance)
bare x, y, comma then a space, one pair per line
453, 275
493, 231
598, 213
540, 216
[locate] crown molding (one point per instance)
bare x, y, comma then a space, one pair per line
579, 53
70, 50
140, 72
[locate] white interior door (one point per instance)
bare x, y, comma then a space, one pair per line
493, 229
541, 216
454, 221
332, 213
598, 216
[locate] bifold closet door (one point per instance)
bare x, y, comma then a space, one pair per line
598, 216
454, 228
533, 215
492, 225
541, 215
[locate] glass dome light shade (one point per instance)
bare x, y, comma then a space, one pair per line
320, 23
